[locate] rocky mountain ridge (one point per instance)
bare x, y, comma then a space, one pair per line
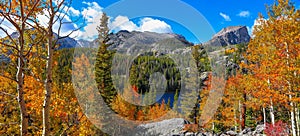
227, 36
134, 42
230, 36
125, 39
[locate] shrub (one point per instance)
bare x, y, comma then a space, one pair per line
278, 129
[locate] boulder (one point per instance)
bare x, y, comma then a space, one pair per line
246, 131
163, 128
259, 129
190, 134
208, 134
231, 133
198, 134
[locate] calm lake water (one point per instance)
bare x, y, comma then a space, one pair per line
166, 96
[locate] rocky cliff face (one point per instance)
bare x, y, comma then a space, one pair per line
133, 42
230, 36
67, 43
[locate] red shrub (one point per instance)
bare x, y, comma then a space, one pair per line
278, 129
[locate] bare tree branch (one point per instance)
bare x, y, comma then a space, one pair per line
8, 94
8, 35
5, 76
2, 20
8, 45
6, 102
8, 124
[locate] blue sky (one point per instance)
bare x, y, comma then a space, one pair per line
219, 13
216, 14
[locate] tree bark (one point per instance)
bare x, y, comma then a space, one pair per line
272, 112
243, 121
20, 77
240, 111
235, 121
271, 105
48, 92
20, 88
297, 120
289, 92
264, 114
48, 81
292, 116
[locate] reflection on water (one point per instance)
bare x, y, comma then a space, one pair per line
166, 96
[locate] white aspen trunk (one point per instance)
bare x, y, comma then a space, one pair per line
289, 91
235, 121
20, 90
20, 77
272, 112
271, 105
292, 117
264, 114
297, 120
48, 81
86, 110
48, 92
241, 116
297, 113
212, 126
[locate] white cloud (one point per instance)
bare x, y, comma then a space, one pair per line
155, 25
89, 31
244, 14
257, 22
145, 24
7, 26
65, 29
74, 11
122, 23
93, 14
226, 17
92, 11
70, 10
43, 19
87, 3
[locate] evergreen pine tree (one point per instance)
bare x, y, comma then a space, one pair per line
104, 63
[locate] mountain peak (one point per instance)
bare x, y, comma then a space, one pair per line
230, 36
228, 30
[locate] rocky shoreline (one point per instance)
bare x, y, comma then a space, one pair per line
175, 127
